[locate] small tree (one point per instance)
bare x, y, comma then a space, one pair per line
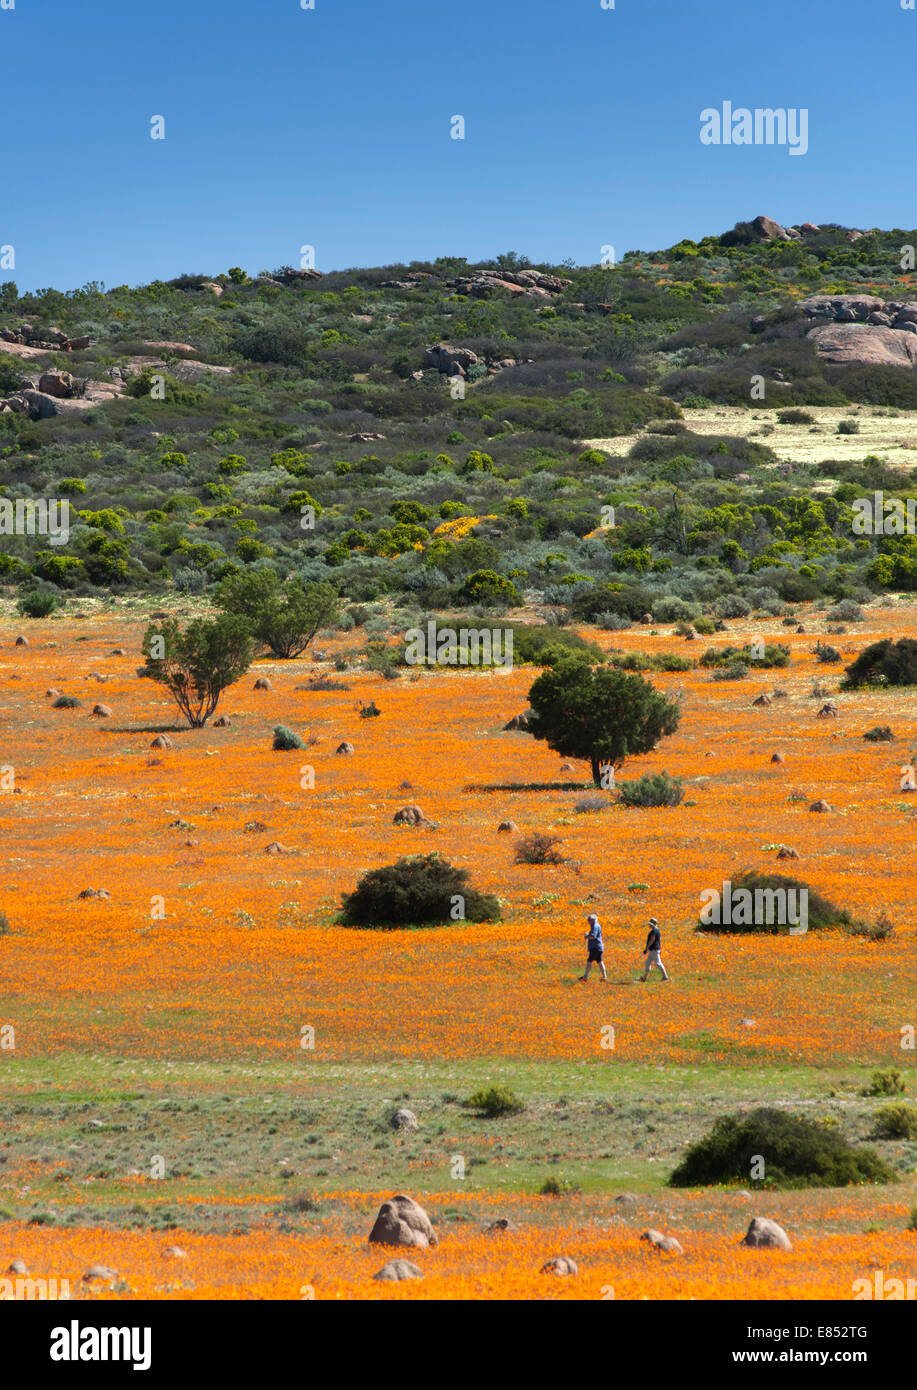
599, 713
284, 616
198, 664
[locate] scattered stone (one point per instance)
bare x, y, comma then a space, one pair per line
275, 847
402, 1221
762, 700
764, 1234
785, 852
344, 748
22, 642
626, 1201
94, 893
174, 1252
404, 1119
101, 712
51, 694
162, 741
507, 827
254, 827
99, 1272
18, 1267
828, 710
748, 1023
662, 1243
118, 651
561, 1265
224, 722
502, 1226
777, 758
820, 806
397, 1270
409, 815
520, 721
262, 683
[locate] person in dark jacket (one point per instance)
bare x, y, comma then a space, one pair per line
596, 948
652, 951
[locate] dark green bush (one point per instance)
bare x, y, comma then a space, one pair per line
885, 1083
881, 733
821, 912
884, 663
417, 891
797, 1152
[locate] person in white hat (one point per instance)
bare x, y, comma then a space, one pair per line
596, 948
652, 951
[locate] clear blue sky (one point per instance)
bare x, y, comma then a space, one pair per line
330, 127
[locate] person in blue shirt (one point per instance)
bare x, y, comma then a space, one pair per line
596, 948
653, 952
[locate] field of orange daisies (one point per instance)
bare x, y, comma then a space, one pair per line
209, 945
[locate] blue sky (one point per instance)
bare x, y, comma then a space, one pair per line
331, 127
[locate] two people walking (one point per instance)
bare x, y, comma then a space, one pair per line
596, 950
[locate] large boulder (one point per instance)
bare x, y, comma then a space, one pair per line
830, 306
667, 1244
442, 356
766, 229
60, 384
764, 1234
520, 721
561, 1265
402, 1221
409, 815
39, 405
404, 1119
843, 343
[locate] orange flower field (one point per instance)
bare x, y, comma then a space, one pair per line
208, 946
612, 1261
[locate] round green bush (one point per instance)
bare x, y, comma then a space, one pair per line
797, 1152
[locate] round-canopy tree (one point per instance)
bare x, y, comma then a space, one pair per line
284, 616
197, 664
599, 713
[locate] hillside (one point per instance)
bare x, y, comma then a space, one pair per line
417, 434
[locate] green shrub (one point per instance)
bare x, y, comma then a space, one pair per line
544, 646
797, 1152
848, 427
884, 663
774, 654
885, 1083
286, 739
795, 417
821, 912
5, 928
880, 733
653, 789
705, 627
827, 655
417, 891
37, 604
486, 586
897, 1121
494, 1101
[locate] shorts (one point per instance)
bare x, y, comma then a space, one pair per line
653, 958
595, 954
